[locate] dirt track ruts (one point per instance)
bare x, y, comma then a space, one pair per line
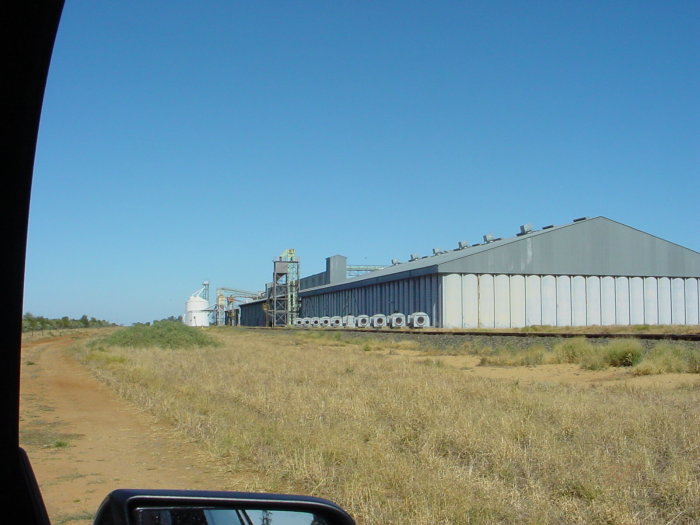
83, 441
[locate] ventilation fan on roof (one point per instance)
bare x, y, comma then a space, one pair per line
462, 245
414, 257
394, 262
488, 237
525, 229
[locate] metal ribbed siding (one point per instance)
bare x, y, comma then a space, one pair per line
418, 294
252, 314
505, 301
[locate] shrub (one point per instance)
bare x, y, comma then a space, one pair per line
572, 350
621, 352
669, 358
624, 352
163, 334
595, 360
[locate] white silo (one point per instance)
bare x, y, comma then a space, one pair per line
197, 308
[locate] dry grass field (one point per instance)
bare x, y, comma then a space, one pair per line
395, 435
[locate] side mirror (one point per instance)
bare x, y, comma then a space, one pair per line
190, 507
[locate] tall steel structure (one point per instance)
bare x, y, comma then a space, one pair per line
283, 298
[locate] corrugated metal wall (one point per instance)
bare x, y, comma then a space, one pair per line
417, 294
252, 314
512, 301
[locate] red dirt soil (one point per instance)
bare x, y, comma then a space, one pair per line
84, 441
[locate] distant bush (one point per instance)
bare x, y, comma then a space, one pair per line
572, 350
162, 334
37, 323
621, 352
596, 359
624, 352
669, 358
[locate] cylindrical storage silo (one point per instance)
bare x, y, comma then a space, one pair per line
196, 313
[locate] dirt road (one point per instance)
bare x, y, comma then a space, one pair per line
84, 441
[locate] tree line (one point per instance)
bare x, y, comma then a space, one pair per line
31, 323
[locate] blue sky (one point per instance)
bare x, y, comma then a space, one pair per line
183, 141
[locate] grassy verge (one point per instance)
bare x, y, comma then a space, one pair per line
395, 441
654, 358
661, 358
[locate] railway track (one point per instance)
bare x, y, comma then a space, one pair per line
494, 333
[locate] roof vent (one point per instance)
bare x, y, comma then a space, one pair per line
414, 257
525, 229
488, 237
580, 219
462, 245
395, 262
438, 251
548, 227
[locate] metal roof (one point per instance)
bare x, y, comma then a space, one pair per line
595, 246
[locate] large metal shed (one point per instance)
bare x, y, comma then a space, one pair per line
590, 272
